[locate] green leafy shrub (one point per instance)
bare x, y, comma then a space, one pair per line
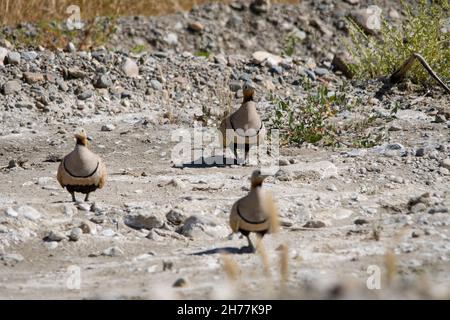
422, 31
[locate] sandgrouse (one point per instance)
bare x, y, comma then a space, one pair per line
81, 170
243, 128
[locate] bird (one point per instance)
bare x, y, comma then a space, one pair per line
81, 170
244, 127
256, 212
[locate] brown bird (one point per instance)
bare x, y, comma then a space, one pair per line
81, 170
256, 212
244, 127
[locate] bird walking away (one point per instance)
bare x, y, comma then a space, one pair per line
82, 170
243, 128
256, 212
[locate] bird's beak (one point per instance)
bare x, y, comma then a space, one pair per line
90, 138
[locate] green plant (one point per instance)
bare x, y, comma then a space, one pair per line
420, 32
307, 123
139, 48
290, 41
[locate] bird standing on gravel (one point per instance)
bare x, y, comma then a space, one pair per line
81, 170
256, 212
244, 127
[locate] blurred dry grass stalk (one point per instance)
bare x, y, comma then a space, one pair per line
19, 11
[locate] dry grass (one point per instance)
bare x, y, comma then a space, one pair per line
19, 11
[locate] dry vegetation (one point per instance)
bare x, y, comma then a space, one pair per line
18, 11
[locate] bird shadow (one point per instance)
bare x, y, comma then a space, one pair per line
225, 250
209, 162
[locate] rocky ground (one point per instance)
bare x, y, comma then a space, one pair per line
159, 230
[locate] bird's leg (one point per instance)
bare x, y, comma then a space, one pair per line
250, 244
235, 153
247, 151
86, 199
73, 197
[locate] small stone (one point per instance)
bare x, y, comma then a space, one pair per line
343, 61
11, 259
112, 252
156, 85
11, 212
310, 74
394, 14
419, 207
420, 152
369, 18
33, 77
446, 163
320, 71
314, 224
13, 58
108, 127
260, 6
235, 86
193, 224
3, 54
360, 221
102, 81
29, 212
130, 68
88, 227
283, 175
84, 206
11, 87
220, 59
71, 47
331, 187
51, 245
175, 217
76, 73
444, 171
85, 95
352, 2
152, 235
75, 234
283, 162
144, 221
29, 55
260, 57
108, 233
55, 236
171, 39
438, 209
179, 283
196, 26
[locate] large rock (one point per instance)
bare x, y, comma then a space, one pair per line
144, 220
13, 58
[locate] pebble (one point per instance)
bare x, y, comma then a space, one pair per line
113, 252
419, 207
446, 163
88, 227
103, 81
175, 217
55, 236
314, 224
11, 87
196, 26
75, 234
130, 68
368, 18
171, 39
83, 206
360, 221
156, 85
85, 95
11, 259
144, 221
33, 77
51, 245
29, 55
13, 58
3, 54
108, 127
29, 212
179, 283
320, 71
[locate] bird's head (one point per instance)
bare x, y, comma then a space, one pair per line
249, 91
82, 137
258, 177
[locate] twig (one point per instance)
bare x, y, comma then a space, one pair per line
400, 73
